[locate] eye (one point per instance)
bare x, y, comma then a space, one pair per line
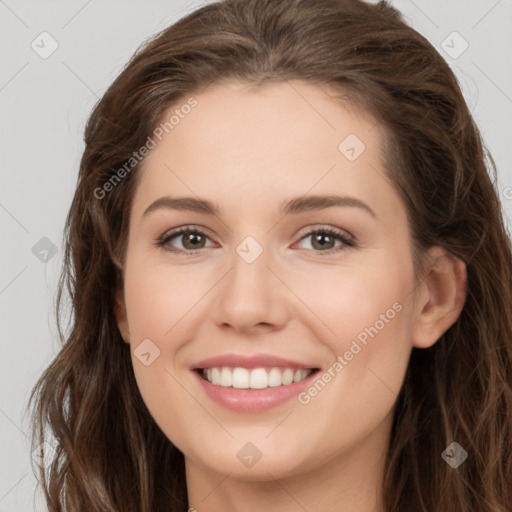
193, 239
323, 239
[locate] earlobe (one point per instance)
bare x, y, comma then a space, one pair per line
120, 314
443, 296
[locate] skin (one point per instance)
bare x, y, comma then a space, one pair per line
248, 151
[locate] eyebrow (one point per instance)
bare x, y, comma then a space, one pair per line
294, 205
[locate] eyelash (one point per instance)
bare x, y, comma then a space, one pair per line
167, 237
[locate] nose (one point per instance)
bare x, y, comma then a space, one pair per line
251, 298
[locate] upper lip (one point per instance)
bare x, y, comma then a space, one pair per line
254, 361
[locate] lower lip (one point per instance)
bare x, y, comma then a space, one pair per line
253, 400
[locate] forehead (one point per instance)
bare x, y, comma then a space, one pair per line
272, 141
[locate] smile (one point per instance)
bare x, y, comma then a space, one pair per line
252, 383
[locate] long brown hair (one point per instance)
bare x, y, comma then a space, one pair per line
110, 454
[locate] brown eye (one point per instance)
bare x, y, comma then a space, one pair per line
324, 240
191, 240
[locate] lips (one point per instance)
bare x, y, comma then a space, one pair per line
252, 383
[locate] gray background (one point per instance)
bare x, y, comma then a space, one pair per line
44, 107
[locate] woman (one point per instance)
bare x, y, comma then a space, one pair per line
222, 356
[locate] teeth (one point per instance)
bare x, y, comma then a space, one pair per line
287, 376
240, 378
274, 378
257, 378
225, 377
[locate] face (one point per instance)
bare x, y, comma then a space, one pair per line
278, 284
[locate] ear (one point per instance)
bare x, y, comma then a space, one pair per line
440, 299
120, 314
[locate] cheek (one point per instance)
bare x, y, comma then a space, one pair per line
370, 353
157, 303
362, 303
368, 314
157, 297
167, 401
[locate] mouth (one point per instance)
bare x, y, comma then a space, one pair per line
254, 383
254, 378
255, 392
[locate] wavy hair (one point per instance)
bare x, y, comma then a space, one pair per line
109, 453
